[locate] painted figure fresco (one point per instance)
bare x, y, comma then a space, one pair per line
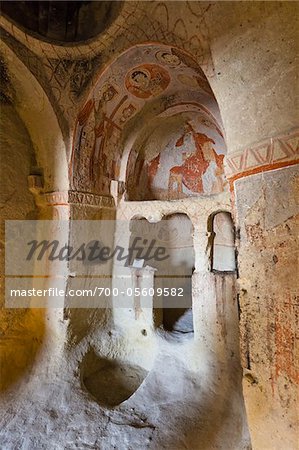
153, 166
195, 164
119, 94
103, 129
127, 113
147, 80
168, 58
82, 121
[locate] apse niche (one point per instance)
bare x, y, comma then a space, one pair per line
152, 123
62, 21
179, 152
176, 157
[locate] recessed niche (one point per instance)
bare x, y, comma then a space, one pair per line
110, 382
223, 249
173, 275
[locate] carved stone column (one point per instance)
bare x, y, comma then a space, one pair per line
53, 206
86, 206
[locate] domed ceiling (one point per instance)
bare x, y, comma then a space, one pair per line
62, 21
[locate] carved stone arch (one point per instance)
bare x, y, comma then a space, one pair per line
34, 108
116, 99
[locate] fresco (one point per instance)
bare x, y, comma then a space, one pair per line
191, 164
142, 74
168, 58
195, 165
147, 80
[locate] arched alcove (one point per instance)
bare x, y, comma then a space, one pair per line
172, 300
178, 155
35, 160
40, 120
223, 253
149, 85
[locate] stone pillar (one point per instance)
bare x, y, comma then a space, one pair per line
83, 321
134, 312
53, 206
68, 207
264, 181
214, 303
216, 314
143, 282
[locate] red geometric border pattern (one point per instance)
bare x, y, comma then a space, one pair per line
280, 149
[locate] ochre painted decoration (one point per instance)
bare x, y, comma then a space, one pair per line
147, 80
190, 172
144, 73
85, 113
153, 166
199, 152
127, 113
103, 129
272, 153
193, 167
168, 58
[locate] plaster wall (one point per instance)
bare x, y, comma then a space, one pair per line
267, 214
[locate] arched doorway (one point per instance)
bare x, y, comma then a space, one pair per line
172, 302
